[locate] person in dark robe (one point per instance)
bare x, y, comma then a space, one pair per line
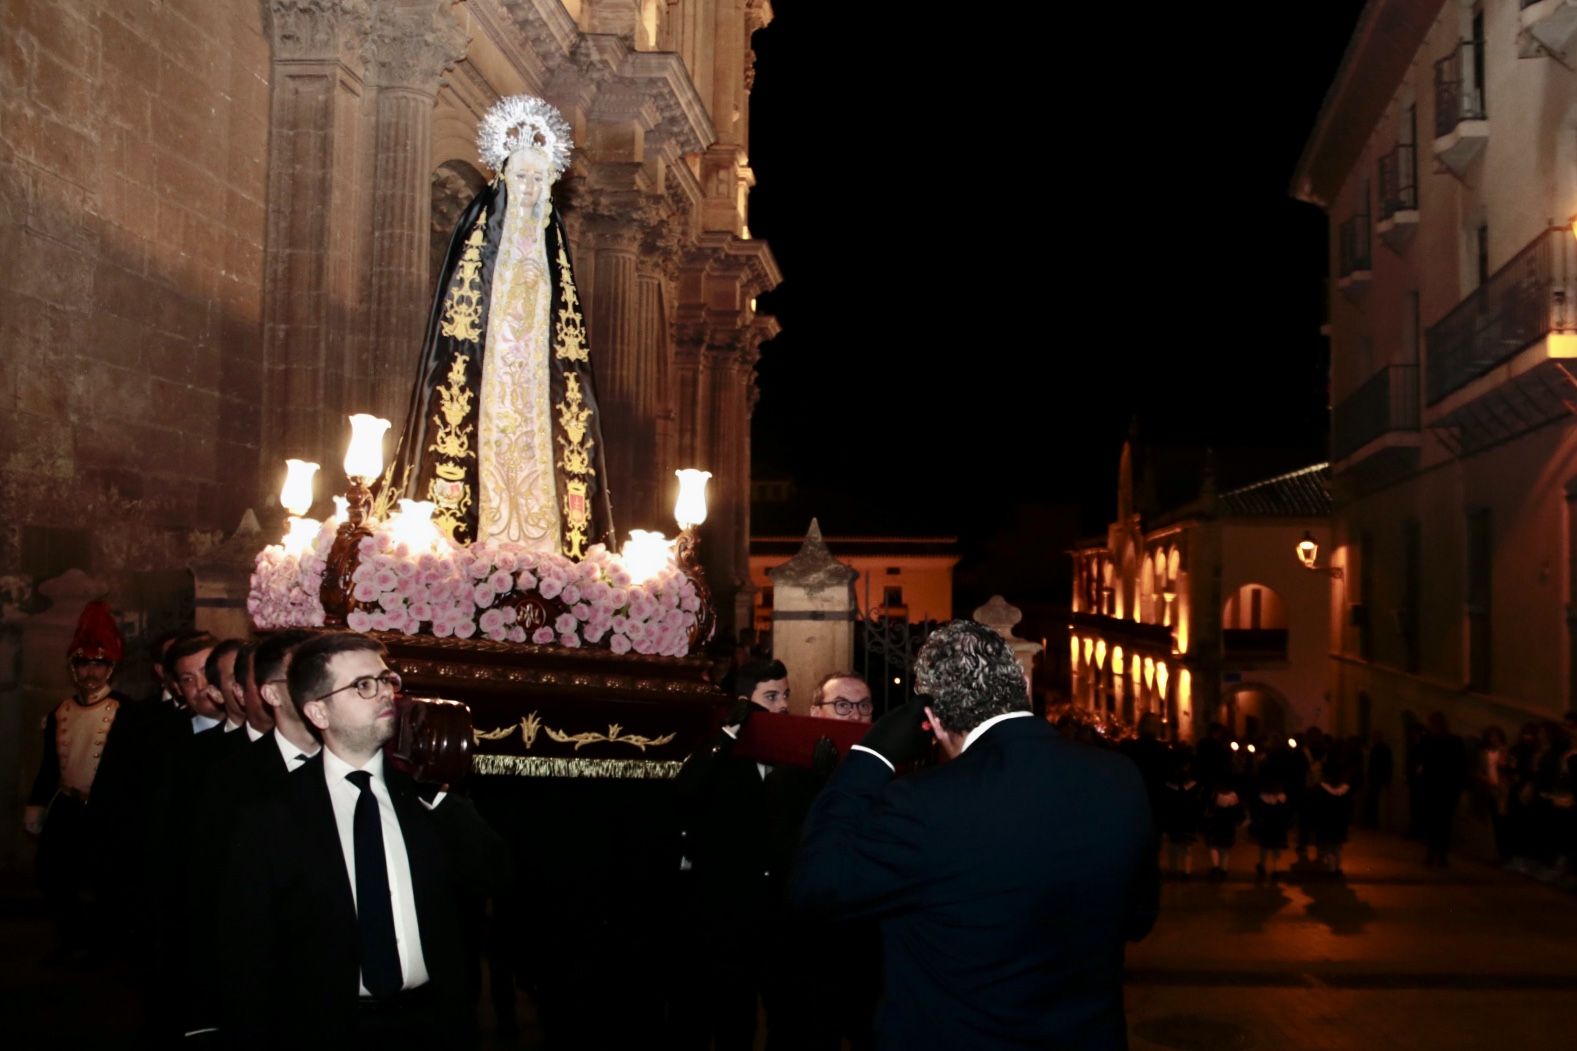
84, 806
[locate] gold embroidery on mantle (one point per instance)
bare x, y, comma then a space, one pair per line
575, 766
569, 335
452, 442
532, 723
576, 462
463, 305
615, 735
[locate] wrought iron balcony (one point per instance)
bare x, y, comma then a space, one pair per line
1399, 180
1385, 402
1354, 263
1524, 301
1546, 28
1457, 100
1265, 644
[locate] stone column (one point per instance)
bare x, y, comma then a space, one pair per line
309, 284
655, 379
813, 613
614, 325
1000, 616
729, 462
409, 47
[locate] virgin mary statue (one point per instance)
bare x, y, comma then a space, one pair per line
503, 434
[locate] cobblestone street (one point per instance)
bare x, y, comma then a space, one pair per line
1397, 957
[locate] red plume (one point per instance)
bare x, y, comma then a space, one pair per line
97, 634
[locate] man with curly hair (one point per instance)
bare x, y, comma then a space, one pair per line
1006, 880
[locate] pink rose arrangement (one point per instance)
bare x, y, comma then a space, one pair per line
477, 590
286, 586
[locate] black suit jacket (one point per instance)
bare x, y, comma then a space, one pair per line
1006, 883
289, 944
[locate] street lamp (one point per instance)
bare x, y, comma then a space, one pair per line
1308, 551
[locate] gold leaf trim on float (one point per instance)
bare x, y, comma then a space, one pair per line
576, 462
448, 490
565, 766
463, 305
615, 735
569, 333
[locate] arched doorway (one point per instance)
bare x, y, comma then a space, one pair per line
1253, 710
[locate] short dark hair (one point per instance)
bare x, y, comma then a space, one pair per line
211, 668
309, 664
270, 656
752, 673
243, 663
968, 674
187, 645
157, 646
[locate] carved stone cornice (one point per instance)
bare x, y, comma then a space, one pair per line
548, 26
750, 259
321, 30
410, 47
683, 124
758, 14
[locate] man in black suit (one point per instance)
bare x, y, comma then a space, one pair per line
1005, 880
349, 932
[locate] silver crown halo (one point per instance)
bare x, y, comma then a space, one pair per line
522, 120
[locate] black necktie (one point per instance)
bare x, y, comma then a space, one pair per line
301, 759
380, 956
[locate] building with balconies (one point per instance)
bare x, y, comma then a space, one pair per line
1454, 455
1204, 613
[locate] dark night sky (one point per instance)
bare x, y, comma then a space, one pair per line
996, 253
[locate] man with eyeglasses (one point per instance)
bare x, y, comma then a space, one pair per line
842, 695
356, 879
84, 801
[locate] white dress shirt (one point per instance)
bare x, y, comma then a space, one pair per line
251, 734
968, 738
203, 722
294, 757
402, 895
231, 727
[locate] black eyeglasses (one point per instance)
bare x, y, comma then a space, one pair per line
91, 662
367, 686
844, 707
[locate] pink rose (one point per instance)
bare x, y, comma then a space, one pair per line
549, 587
502, 581
386, 579
421, 611
405, 568
690, 604
491, 621
543, 636
570, 594
481, 568
442, 629
569, 641
366, 591
527, 580
619, 621
644, 646
517, 634
484, 595
465, 629
581, 611
566, 622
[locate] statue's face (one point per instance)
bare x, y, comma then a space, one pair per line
528, 176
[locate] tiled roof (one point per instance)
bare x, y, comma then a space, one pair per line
1299, 494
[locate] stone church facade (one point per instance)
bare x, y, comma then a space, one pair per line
221, 221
